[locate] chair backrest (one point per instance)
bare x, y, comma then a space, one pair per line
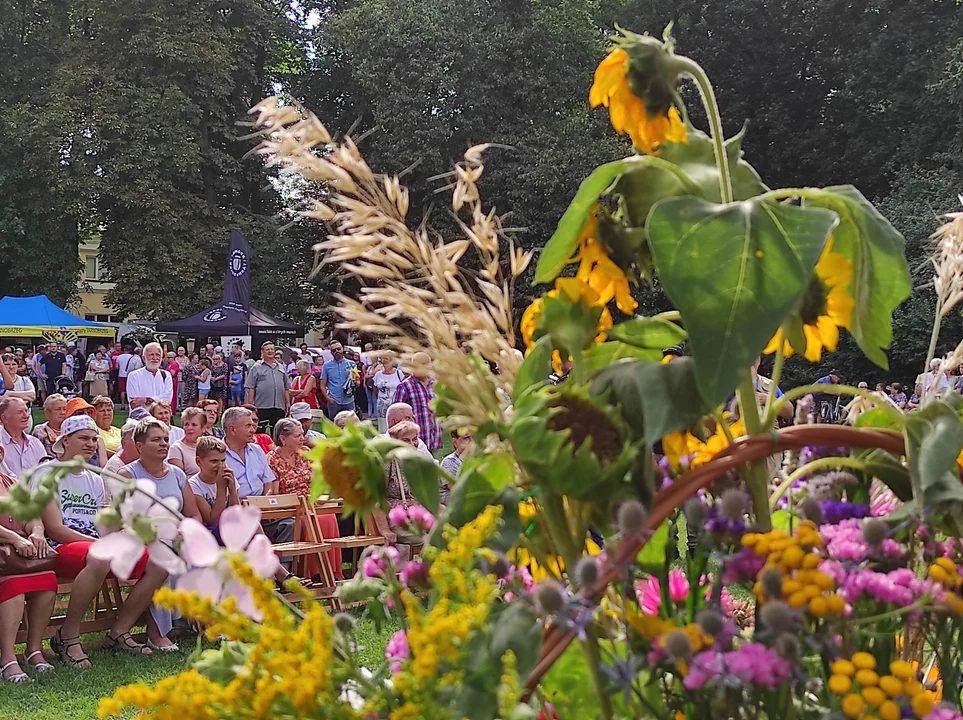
273, 502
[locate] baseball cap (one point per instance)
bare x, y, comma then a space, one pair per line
218, 349
75, 404
139, 413
69, 427
301, 411
71, 344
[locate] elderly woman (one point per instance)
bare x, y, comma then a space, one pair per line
36, 591
162, 411
294, 471
304, 387
212, 410
183, 453
55, 409
99, 369
104, 417
398, 492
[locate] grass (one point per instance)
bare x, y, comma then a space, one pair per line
74, 694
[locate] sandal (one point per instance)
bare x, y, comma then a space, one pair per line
17, 678
303, 582
61, 646
125, 643
173, 647
41, 667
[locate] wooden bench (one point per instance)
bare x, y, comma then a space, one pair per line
103, 611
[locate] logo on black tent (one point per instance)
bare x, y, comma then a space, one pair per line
238, 264
215, 315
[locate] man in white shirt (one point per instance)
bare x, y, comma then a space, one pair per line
150, 383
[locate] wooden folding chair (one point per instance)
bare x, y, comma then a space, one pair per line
278, 507
349, 544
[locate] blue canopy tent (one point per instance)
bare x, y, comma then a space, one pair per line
37, 316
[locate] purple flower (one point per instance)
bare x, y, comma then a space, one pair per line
835, 511
742, 567
398, 515
942, 712
751, 663
844, 542
397, 650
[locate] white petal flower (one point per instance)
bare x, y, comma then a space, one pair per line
163, 556
199, 548
237, 525
123, 549
260, 555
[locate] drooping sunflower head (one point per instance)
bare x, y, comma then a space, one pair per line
572, 313
603, 256
350, 463
637, 81
826, 306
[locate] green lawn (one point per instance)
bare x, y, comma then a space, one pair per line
74, 694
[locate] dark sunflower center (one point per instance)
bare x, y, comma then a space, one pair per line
584, 420
813, 304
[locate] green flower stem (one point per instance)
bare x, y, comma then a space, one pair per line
770, 418
756, 477
810, 467
891, 410
571, 549
898, 612
694, 70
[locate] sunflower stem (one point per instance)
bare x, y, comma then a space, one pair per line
770, 418
757, 480
894, 412
695, 71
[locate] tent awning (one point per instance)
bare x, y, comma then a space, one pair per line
222, 319
33, 316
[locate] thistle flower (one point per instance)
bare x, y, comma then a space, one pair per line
631, 518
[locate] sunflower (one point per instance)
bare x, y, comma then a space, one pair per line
598, 271
826, 306
684, 448
648, 128
576, 291
553, 565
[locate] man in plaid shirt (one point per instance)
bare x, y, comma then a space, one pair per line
418, 390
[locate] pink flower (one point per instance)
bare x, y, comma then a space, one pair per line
211, 576
397, 650
377, 562
415, 572
398, 516
421, 518
648, 590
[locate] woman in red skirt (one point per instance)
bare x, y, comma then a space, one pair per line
35, 591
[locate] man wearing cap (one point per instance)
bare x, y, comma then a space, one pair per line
150, 383
418, 390
336, 373
69, 523
267, 387
301, 412
20, 450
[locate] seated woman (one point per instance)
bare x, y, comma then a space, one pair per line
152, 440
182, 452
212, 409
69, 524
294, 472
398, 492
104, 417
162, 411
55, 409
37, 590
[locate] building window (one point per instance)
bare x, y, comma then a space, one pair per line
92, 268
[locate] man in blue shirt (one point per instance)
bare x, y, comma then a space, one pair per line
335, 374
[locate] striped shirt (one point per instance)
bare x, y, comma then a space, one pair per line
419, 395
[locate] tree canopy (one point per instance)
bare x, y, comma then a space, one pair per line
121, 118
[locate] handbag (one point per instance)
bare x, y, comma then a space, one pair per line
14, 564
91, 376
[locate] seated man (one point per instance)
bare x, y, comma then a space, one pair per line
301, 412
250, 467
69, 524
403, 412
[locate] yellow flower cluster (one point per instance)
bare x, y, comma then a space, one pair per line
649, 626
803, 585
289, 667
510, 685
944, 571
598, 271
685, 448
866, 694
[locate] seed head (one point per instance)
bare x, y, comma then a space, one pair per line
787, 645
875, 531
677, 645
550, 596
811, 510
587, 571
777, 616
732, 505
695, 513
345, 623
711, 621
632, 516
771, 582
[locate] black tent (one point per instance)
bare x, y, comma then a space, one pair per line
233, 315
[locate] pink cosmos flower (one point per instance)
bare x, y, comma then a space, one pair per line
397, 650
211, 574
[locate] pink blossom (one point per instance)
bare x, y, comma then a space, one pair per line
750, 663
845, 542
648, 590
377, 562
415, 572
397, 650
421, 518
398, 516
943, 712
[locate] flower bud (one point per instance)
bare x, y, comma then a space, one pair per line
771, 581
732, 505
500, 567
875, 531
695, 513
811, 510
550, 596
787, 646
631, 518
711, 621
345, 623
110, 518
678, 646
587, 571
777, 616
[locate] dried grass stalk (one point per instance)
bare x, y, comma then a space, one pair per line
416, 290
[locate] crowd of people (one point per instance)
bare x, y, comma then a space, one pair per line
238, 438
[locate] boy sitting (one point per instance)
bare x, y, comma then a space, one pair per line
214, 486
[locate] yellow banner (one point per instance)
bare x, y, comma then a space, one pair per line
38, 330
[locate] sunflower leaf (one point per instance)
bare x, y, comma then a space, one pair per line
881, 277
734, 272
650, 333
535, 368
